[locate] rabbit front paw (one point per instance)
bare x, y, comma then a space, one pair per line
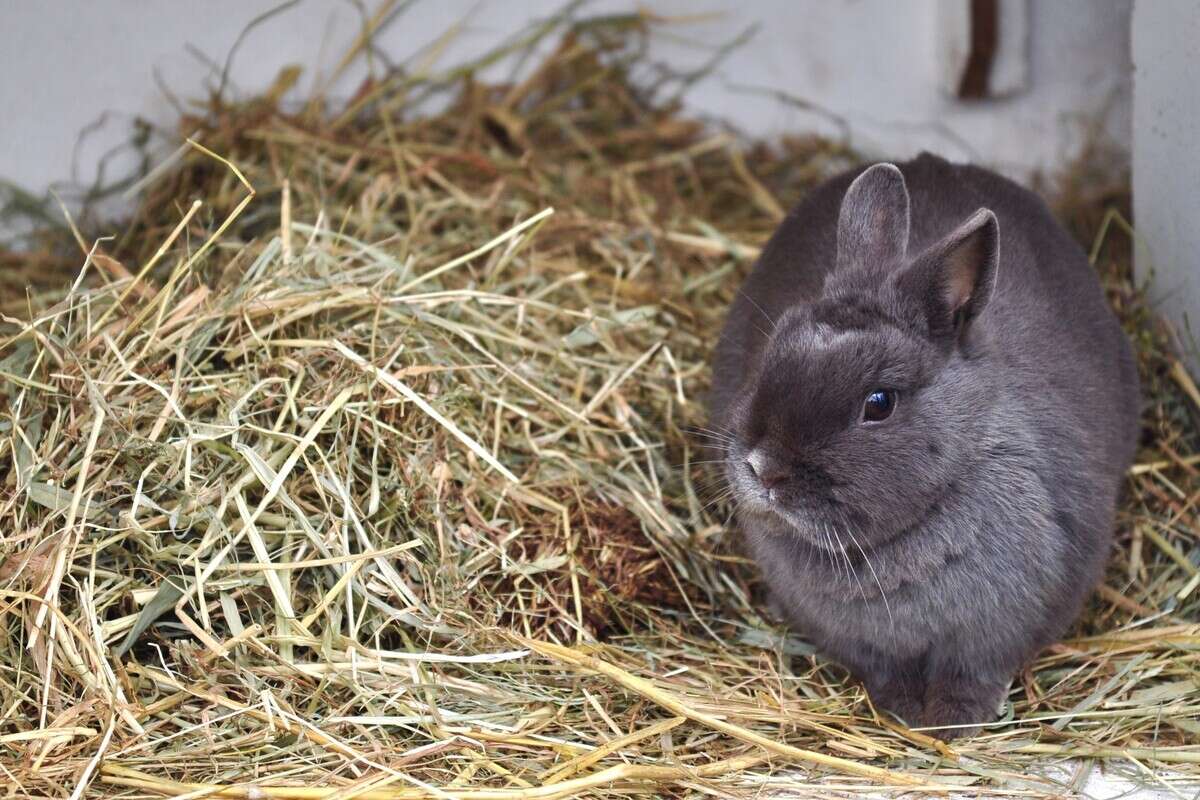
900, 699
959, 708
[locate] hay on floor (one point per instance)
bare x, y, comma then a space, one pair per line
360, 464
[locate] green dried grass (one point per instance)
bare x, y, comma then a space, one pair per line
377, 481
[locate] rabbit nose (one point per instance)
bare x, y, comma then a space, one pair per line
769, 472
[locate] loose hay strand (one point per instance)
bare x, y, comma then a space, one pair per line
648, 690
402, 389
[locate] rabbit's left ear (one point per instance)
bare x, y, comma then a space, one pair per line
873, 222
953, 280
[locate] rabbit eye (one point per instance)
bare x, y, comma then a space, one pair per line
879, 405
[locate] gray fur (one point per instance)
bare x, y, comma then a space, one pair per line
933, 553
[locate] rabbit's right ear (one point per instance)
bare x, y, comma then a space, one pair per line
873, 222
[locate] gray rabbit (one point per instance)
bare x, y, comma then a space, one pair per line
925, 410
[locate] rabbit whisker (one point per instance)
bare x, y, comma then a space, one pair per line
871, 567
774, 324
849, 566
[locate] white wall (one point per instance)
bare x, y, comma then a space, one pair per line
1166, 159
68, 65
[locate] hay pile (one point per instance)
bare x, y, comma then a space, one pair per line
362, 461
